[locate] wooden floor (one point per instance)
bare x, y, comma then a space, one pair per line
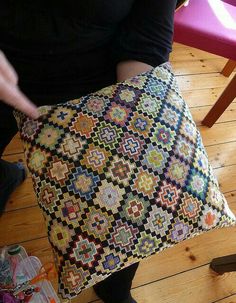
180, 274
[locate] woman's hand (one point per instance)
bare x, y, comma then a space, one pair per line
9, 91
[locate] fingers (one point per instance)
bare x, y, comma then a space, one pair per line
9, 92
7, 70
11, 95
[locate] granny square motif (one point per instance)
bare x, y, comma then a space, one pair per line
120, 174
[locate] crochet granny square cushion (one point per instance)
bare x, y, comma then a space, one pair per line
120, 174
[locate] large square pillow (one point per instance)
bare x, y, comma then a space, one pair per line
120, 174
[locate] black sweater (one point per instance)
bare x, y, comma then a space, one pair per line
65, 49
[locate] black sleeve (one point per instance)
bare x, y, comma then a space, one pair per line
146, 34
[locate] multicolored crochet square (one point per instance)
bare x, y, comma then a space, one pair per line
120, 174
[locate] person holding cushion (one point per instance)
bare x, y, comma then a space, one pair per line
64, 50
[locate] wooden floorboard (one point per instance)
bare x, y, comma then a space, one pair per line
187, 54
203, 81
229, 299
218, 157
199, 112
199, 66
201, 286
219, 134
202, 97
181, 273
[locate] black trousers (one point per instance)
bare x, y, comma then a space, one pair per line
116, 288
8, 127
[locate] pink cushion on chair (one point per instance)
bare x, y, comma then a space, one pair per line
209, 25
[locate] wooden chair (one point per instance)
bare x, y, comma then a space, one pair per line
210, 25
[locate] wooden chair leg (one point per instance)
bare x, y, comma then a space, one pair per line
224, 264
221, 104
228, 68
